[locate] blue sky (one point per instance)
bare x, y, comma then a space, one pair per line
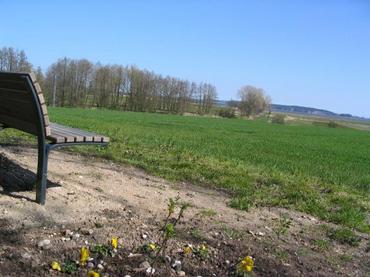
312, 53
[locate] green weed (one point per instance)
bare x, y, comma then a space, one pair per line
343, 236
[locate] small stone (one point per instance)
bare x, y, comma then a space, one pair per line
268, 228
181, 273
44, 244
67, 233
127, 276
177, 265
261, 234
90, 265
76, 236
87, 232
134, 255
144, 236
167, 259
227, 262
100, 266
26, 256
145, 265
150, 271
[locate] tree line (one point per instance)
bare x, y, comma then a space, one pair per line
82, 83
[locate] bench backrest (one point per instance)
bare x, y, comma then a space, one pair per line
22, 105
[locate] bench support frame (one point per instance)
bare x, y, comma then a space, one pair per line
44, 148
42, 167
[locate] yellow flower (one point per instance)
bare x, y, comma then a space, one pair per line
203, 247
246, 264
56, 266
114, 242
84, 255
152, 246
93, 274
187, 249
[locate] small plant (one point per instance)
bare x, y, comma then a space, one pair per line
197, 234
281, 254
345, 258
321, 244
101, 250
202, 252
283, 225
241, 203
343, 236
168, 230
278, 118
208, 213
70, 267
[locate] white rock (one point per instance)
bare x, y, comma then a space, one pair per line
181, 273
177, 265
67, 233
90, 265
87, 232
150, 271
100, 266
44, 244
145, 265
144, 236
167, 259
26, 256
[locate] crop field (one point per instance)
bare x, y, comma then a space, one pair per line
315, 169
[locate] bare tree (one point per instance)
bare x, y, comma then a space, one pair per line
253, 101
14, 60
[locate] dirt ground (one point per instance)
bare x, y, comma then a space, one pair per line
110, 200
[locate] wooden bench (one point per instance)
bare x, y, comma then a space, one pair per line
22, 107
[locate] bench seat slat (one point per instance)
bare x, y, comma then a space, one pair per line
60, 134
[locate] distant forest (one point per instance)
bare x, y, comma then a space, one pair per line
82, 83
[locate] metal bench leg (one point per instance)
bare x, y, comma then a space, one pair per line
42, 172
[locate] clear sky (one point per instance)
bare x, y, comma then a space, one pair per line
313, 53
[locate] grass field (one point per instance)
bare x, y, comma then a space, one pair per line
319, 170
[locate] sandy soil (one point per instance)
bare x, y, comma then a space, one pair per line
118, 200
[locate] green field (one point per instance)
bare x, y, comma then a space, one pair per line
319, 170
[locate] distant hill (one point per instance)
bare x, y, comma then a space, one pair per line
301, 110
304, 111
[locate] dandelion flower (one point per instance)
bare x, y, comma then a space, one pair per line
84, 256
93, 274
56, 266
246, 264
152, 246
114, 242
187, 249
